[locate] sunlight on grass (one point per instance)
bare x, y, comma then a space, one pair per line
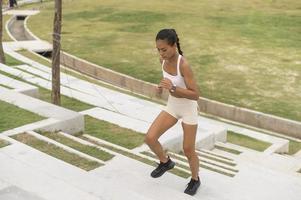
90, 150
15, 116
3, 143
57, 152
246, 141
113, 133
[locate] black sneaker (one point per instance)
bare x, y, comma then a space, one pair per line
193, 186
162, 168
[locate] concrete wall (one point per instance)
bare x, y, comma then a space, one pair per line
242, 115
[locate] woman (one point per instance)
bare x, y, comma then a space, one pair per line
182, 104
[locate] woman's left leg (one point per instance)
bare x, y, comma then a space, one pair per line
189, 148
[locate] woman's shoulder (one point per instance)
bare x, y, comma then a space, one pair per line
184, 64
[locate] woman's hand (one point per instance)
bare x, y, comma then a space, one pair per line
165, 83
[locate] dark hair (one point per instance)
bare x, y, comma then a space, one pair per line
171, 36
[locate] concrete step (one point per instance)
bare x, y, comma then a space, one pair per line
19, 86
135, 176
214, 156
50, 178
65, 147
123, 151
64, 90
234, 147
171, 140
204, 164
117, 100
221, 156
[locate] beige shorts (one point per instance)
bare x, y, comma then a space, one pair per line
182, 108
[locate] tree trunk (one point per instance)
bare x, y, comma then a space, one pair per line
57, 23
2, 57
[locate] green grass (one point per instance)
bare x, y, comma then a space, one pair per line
13, 116
90, 150
66, 102
246, 141
10, 61
5, 86
3, 143
233, 46
175, 171
294, 147
112, 133
233, 151
57, 152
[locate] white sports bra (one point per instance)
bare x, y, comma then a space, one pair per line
178, 79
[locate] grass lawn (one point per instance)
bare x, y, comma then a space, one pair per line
3, 143
10, 61
246, 141
294, 147
57, 152
245, 53
15, 116
112, 133
90, 150
66, 102
5, 86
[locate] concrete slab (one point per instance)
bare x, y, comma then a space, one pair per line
135, 177
55, 179
32, 45
43, 184
19, 86
21, 12
16, 193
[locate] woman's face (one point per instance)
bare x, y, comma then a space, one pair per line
165, 50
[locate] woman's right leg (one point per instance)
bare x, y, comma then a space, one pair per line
162, 123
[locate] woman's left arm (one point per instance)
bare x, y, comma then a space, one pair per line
192, 91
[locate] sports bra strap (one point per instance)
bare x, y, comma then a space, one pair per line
178, 66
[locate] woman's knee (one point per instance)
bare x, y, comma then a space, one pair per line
149, 139
189, 151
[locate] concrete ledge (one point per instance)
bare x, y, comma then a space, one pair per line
32, 45
251, 117
64, 119
19, 86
